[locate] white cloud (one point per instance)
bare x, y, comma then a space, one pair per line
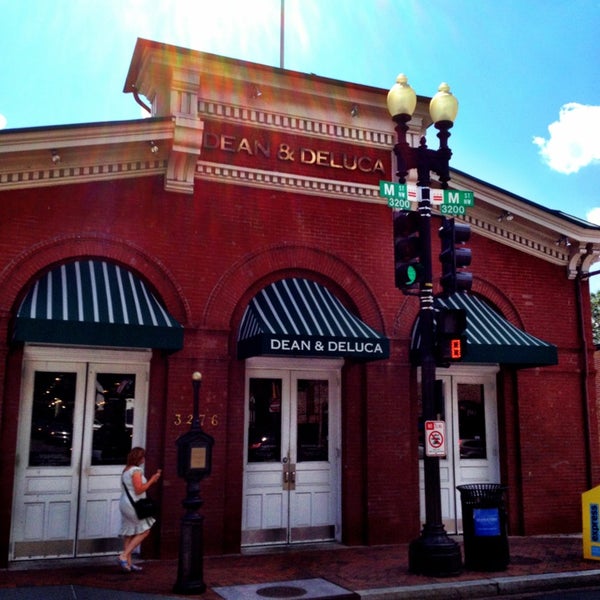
574, 140
2, 121
594, 216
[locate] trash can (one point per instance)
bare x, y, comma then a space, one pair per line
484, 526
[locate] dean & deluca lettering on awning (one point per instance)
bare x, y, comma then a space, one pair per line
299, 317
325, 347
274, 150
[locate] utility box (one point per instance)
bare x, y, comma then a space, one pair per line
590, 511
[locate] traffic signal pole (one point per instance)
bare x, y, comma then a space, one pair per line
433, 553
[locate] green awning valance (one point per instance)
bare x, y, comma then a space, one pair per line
493, 339
299, 317
95, 303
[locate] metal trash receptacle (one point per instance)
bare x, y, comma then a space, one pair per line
484, 526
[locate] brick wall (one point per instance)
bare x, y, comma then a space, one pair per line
206, 256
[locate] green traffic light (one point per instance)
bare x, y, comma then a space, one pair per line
408, 275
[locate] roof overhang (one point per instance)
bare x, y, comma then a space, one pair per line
47, 156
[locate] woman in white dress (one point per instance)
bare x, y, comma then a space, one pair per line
134, 530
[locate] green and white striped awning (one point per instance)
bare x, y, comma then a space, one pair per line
95, 303
491, 338
299, 317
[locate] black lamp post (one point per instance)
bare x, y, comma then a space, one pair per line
433, 553
194, 459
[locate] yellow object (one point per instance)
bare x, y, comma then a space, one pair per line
590, 511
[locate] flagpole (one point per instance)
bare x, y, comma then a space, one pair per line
281, 34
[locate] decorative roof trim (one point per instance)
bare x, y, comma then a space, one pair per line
81, 174
298, 125
550, 252
85, 134
285, 182
86, 152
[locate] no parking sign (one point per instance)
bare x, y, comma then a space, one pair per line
435, 438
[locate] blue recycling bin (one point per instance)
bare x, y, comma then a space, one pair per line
484, 526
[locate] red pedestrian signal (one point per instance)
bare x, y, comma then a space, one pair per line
450, 335
456, 348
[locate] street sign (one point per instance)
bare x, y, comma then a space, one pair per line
396, 194
451, 202
435, 438
453, 197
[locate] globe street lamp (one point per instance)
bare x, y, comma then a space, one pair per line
433, 553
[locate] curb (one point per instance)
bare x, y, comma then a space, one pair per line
487, 588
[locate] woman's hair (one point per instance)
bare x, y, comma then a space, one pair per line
135, 456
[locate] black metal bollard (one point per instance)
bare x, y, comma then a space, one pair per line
194, 458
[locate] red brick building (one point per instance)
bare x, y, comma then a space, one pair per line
239, 232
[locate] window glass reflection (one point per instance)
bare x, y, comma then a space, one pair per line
313, 420
264, 422
114, 404
471, 421
52, 419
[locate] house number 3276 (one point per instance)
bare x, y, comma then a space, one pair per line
180, 419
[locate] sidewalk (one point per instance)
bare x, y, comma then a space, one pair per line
374, 573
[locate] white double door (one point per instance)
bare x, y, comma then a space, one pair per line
80, 413
468, 405
292, 454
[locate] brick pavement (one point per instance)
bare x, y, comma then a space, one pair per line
355, 568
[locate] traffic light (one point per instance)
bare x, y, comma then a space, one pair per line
408, 270
454, 257
450, 339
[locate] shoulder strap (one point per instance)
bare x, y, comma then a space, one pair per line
127, 492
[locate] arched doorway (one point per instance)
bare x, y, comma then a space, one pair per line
81, 411
89, 328
292, 451
294, 336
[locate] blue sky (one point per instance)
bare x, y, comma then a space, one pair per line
526, 72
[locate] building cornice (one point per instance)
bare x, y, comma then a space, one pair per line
44, 177
285, 182
49, 156
353, 133
84, 135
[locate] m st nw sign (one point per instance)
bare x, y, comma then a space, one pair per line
400, 195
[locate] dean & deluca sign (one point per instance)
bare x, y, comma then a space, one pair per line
292, 153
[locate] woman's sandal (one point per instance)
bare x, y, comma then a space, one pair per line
124, 565
135, 568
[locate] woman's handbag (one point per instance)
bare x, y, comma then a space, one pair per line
144, 507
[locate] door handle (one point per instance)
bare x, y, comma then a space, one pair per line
289, 477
